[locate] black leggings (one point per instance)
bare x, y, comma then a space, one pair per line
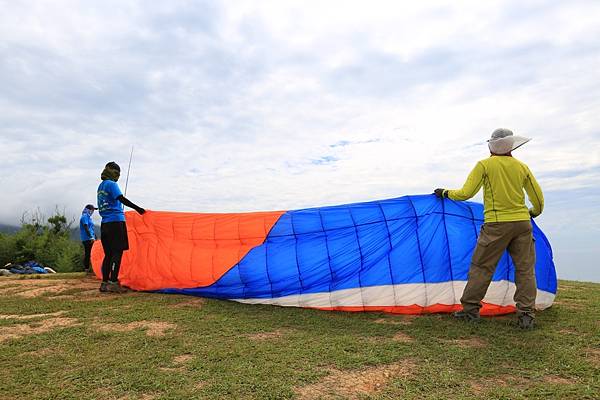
87, 252
115, 242
111, 265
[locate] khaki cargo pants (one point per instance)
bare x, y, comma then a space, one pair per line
494, 238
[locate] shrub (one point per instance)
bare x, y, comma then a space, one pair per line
8, 248
45, 241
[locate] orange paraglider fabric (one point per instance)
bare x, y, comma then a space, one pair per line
185, 250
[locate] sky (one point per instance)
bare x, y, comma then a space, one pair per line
235, 106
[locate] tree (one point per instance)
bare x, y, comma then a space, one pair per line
58, 224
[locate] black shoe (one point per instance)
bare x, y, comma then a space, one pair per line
104, 287
526, 321
114, 287
467, 316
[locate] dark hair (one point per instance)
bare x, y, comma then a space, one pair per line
90, 207
113, 165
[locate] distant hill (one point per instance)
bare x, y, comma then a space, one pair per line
4, 228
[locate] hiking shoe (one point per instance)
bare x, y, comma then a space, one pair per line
114, 287
526, 321
104, 287
467, 316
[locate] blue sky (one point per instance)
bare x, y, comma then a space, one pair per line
241, 106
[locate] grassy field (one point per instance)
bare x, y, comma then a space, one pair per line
61, 339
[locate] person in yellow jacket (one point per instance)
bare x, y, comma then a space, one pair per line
507, 225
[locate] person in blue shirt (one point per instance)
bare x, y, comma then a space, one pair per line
87, 234
113, 231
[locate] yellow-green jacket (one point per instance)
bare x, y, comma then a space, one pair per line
503, 179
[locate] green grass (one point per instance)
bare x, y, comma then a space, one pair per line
226, 359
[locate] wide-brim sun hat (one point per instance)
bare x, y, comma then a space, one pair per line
503, 141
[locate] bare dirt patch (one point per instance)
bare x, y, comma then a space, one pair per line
558, 380
6, 282
567, 331
180, 362
30, 288
28, 282
8, 287
355, 384
153, 328
11, 286
35, 328
402, 338
276, 334
83, 289
44, 290
183, 359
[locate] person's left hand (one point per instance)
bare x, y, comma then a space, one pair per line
531, 214
441, 193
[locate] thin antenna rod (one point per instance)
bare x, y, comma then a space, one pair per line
128, 169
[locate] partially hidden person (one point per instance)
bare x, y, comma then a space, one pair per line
113, 230
507, 225
87, 234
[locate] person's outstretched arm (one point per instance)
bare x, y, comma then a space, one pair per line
472, 184
130, 204
469, 189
